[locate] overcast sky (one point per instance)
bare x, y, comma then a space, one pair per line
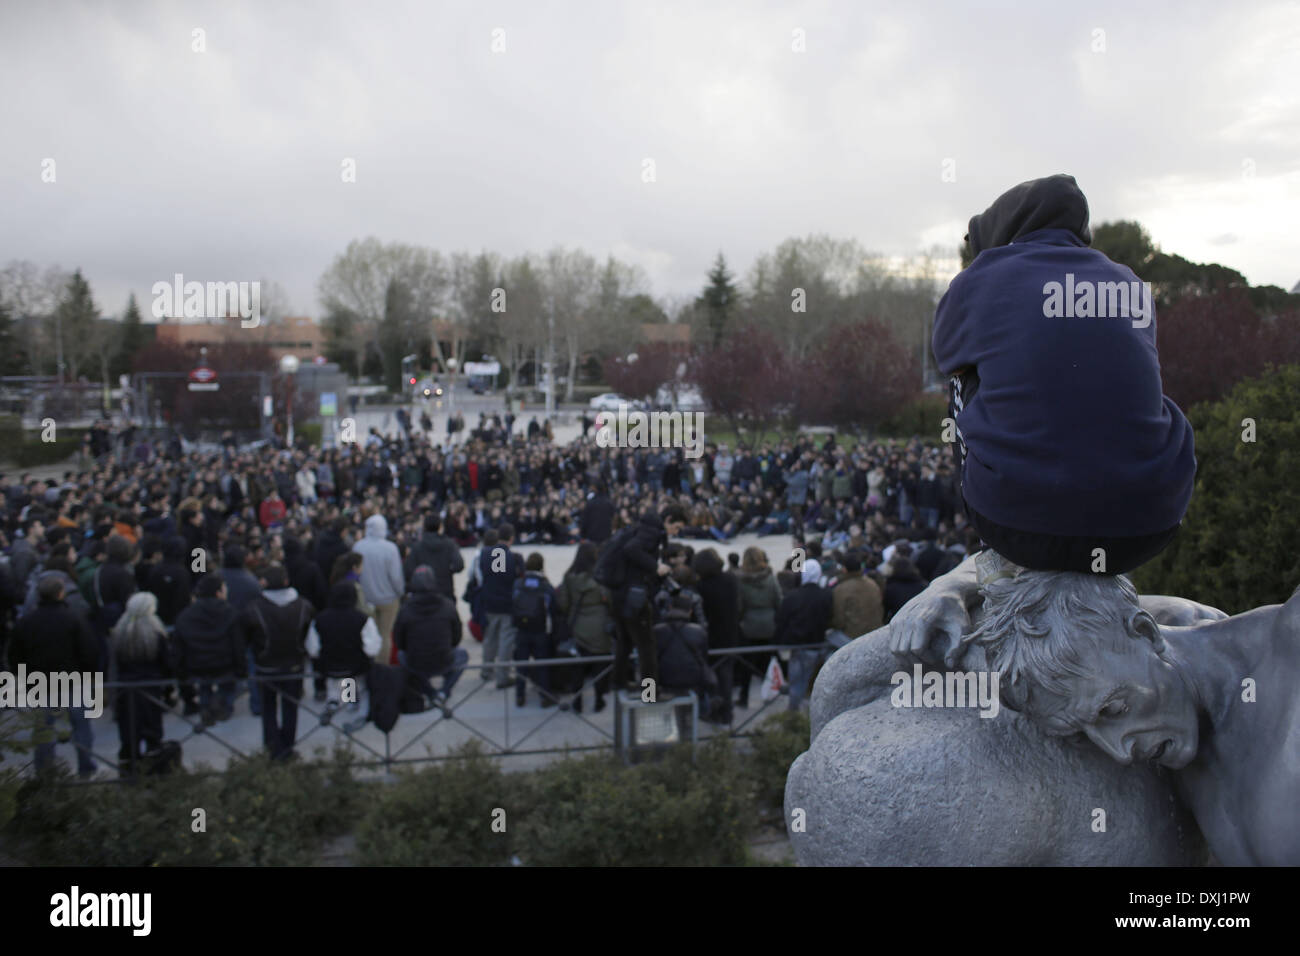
226, 164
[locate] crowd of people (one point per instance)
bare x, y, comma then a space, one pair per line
185, 572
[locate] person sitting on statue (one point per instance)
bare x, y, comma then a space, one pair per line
1072, 458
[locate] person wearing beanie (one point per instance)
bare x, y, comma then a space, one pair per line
1066, 440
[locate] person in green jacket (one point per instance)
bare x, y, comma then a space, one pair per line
585, 605
760, 596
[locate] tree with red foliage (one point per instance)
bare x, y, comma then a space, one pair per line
746, 379
857, 376
1209, 343
654, 366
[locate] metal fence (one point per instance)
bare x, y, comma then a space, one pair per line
317, 721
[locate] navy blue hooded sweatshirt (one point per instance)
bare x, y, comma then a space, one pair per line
1067, 430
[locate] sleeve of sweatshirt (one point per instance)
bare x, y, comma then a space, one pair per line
953, 337
371, 642
396, 579
457, 560
313, 641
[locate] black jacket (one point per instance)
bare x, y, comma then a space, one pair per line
641, 552
902, 585
597, 519
170, 584
440, 553
304, 574
804, 615
208, 639
328, 548
427, 628
683, 654
54, 638
721, 596
339, 628
275, 628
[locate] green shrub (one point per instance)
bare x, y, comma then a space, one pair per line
1237, 547
597, 812
309, 432
775, 745
257, 814
442, 816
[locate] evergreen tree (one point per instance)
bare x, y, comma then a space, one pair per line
74, 326
13, 360
134, 337
718, 301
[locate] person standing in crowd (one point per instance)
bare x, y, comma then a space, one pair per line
803, 618
597, 516
139, 648
585, 606
533, 609
499, 568
760, 597
682, 649
209, 648
903, 582
721, 600
55, 639
643, 567
439, 553
275, 626
427, 634
856, 607
382, 580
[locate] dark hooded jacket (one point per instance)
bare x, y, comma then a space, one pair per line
304, 574
721, 598
427, 626
442, 555
641, 553
683, 653
208, 641
1065, 425
169, 581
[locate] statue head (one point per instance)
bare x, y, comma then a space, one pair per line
1079, 656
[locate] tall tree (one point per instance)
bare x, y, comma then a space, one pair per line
74, 325
13, 359
718, 301
134, 337
1125, 242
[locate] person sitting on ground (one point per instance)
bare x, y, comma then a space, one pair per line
427, 635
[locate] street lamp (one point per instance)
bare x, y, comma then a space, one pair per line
451, 382
289, 365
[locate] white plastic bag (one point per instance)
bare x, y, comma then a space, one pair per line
773, 681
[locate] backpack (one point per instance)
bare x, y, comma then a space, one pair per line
611, 568
528, 604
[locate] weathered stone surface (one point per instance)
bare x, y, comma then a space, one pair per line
890, 786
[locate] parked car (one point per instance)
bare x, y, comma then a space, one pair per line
610, 402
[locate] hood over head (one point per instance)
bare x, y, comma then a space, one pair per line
424, 581
376, 526
1053, 202
343, 595
812, 572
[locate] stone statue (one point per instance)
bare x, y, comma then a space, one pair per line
1132, 731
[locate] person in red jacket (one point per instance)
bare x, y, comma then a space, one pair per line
272, 511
